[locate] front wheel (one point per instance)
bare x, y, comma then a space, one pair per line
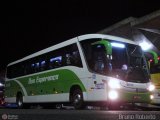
77, 99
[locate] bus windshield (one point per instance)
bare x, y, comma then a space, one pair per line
138, 69
124, 61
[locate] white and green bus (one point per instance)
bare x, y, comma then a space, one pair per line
91, 68
154, 67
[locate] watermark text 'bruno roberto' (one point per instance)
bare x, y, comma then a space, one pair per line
137, 117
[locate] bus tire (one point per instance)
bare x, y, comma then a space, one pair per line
19, 100
77, 99
59, 106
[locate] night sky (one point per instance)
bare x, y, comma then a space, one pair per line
27, 27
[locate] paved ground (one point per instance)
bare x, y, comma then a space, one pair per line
54, 114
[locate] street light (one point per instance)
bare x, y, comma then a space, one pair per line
145, 45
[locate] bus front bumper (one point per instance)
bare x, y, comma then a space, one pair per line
156, 97
129, 97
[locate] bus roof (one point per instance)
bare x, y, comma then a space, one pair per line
109, 37
70, 41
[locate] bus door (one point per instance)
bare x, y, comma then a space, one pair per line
100, 55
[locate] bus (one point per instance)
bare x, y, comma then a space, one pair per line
154, 67
88, 69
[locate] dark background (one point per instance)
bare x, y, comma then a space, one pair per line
27, 27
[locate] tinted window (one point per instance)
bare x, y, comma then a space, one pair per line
66, 56
96, 56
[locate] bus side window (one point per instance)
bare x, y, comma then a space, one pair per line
37, 66
58, 61
76, 58
43, 65
51, 64
24, 69
32, 68
68, 59
55, 62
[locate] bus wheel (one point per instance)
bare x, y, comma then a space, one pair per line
19, 100
77, 99
59, 106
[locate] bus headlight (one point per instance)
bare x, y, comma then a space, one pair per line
113, 94
151, 97
113, 83
151, 87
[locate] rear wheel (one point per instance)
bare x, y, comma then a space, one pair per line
77, 99
19, 100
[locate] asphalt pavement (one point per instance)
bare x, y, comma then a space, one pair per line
55, 114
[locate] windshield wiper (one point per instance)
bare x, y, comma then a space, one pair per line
134, 50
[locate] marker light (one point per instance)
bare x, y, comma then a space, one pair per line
113, 95
119, 45
150, 60
151, 87
113, 83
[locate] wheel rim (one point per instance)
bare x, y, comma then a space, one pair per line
77, 99
58, 106
19, 103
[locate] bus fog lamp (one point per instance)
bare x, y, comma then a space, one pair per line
151, 97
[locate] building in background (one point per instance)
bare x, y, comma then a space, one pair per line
144, 30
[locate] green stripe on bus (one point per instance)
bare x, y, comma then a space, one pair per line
129, 97
11, 89
52, 82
